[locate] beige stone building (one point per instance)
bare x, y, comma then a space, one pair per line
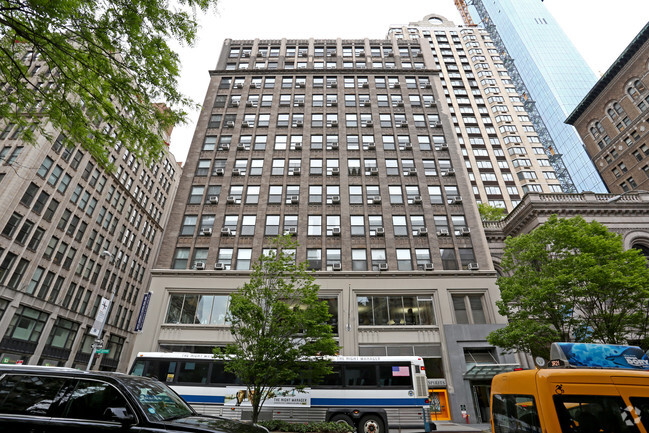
59, 211
613, 119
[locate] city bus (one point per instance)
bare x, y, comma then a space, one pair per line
373, 394
584, 388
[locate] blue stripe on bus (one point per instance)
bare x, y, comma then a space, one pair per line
213, 399
368, 402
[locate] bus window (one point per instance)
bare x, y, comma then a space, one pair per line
220, 376
395, 375
641, 407
334, 379
360, 375
515, 413
594, 413
193, 372
162, 370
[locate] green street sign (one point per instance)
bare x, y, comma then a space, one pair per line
102, 351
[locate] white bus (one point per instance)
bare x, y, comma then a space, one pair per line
370, 393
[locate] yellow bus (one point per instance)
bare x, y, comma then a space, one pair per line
585, 388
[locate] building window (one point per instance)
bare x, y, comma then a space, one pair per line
225, 257
63, 334
27, 324
189, 225
395, 310
181, 258
449, 262
244, 259
469, 309
12, 225
197, 309
359, 260
404, 260
378, 258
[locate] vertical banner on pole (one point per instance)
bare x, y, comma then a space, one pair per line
104, 305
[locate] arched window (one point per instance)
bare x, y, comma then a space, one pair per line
618, 108
611, 113
642, 248
635, 89
599, 127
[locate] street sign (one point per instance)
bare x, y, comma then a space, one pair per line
101, 317
139, 324
102, 351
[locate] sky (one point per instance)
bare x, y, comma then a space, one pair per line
600, 29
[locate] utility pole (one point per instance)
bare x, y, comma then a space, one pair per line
99, 342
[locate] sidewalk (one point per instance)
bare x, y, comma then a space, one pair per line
446, 426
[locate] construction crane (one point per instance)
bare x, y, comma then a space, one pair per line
464, 11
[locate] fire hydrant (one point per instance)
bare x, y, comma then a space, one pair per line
465, 416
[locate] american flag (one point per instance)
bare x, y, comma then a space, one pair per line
400, 371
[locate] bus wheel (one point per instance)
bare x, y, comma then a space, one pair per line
371, 424
342, 418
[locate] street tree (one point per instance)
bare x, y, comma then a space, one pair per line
279, 326
95, 70
570, 280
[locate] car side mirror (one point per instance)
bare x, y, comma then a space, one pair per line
119, 414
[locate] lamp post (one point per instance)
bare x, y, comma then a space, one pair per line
619, 196
99, 340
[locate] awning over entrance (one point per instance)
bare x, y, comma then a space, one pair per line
487, 371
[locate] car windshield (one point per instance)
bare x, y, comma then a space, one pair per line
159, 402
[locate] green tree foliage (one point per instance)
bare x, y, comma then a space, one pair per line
82, 64
491, 213
571, 280
277, 321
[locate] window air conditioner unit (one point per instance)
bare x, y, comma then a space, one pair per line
332, 104
231, 199
380, 231
333, 84
229, 124
298, 146
249, 104
225, 146
335, 199
371, 146
334, 146
236, 103
238, 86
400, 104
428, 86
260, 54
225, 231
465, 231
214, 199
374, 171
411, 172
299, 84
428, 267
416, 199
403, 124
369, 123
295, 199
291, 231
457, 200
361, 53
331, 54
354, 171
449, 172
256, 85
245, 54
241, 146
376, 199
395, 85
337, 267
219, 266
367, 103
335, 231
333, 123
303, 53
236, 172
365, 85
219, 172
300, 103
443, 146
430, 104
199, 266
473, 266
299, 123
206, 231
383, 266
423, 231
335, 171
296, 171
433, 124
442, 232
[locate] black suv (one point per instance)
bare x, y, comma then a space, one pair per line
52, 399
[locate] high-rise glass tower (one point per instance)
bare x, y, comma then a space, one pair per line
551, 74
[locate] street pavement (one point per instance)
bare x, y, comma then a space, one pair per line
443, 426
